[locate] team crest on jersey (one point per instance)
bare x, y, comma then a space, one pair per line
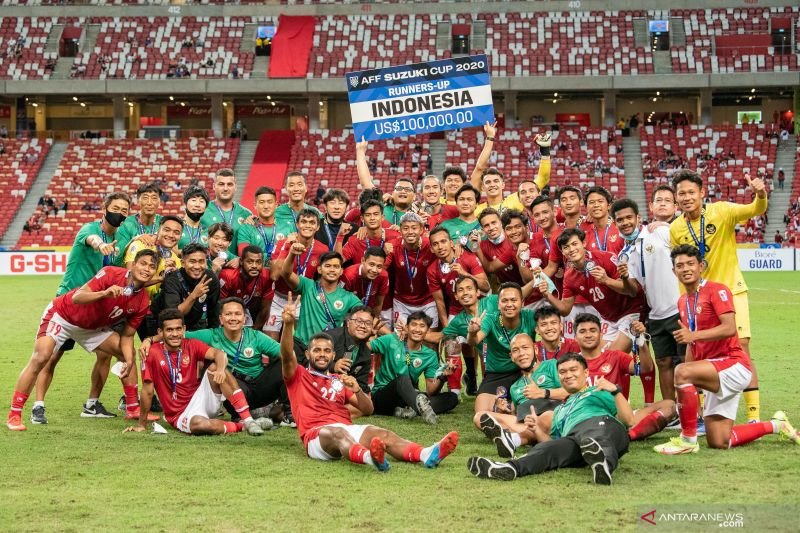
202, 299
163, 363
649, 248
612, 238
416, 363
605, 369
131, 310
240, 220
313, 262
186, 360
248, 352
204, 239
280, 236
338, 305
711, 229
699, 308
540, 380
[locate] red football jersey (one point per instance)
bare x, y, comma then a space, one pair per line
353, 216
317, 400
445, 282
411, 276
355, 247
159, 371
105, 312
448, 211
711, 302
557, 258
604, 240
565, 346
353, 282
610, 304
304, 264
506, 254
610, 364
232, 282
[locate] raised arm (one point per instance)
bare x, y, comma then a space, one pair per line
362, 167
288, 358
489, 130
291, 278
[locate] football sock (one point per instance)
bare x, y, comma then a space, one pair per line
239, 403
17, 403
649, 386
625, 385
687, 411
426, 452
38, 403
752, 401
454, 379
412, 453
516, 439
359, 454
649, 425
745, 433
232, 427
91, 401
131, 397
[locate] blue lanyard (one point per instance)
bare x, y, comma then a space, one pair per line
546, 244
222, 213
110, 258
543, 351
238, 349
411, 271
369, 291
691, 312
569, 407
145, 229
192, 236
324, 300
331, 241
248, 299
174, 372
269, 244
701, 242
602, 246
301, 271
383, 240
631, 245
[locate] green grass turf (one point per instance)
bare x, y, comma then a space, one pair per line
86, 475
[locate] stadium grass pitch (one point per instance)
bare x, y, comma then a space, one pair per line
86, 475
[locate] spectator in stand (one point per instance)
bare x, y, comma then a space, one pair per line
235, 73
781, 178
429, 163
778, 237
320, 194
64, 206
4, 132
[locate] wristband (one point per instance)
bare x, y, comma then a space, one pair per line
547, 394
490, 139
616, 391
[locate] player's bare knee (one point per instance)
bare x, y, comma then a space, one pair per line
718, 443
683, 374
664, 363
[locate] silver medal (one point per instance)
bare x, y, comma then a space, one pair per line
445, 268
127, 291
525, 255
535, 263
463, 240
589, 266
337, 385
622, 259
222, 254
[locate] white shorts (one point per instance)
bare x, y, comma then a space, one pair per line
725, 403
400, 312
569, 320
314, 447
386, 316
205, 402
61, 330
275, 321
621, 326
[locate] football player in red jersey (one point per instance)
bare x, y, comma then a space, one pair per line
86, 315
497, 254
172, 368
601, 233
371, 234
551, 329
715, 362
368, 279
319, 401
251, 282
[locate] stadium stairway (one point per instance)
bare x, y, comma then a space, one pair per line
244, 160
38, 188
634, 178
779, 200
291, 47
438, 149
270, 162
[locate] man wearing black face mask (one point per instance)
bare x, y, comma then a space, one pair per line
336, 202
195, 201
94, 247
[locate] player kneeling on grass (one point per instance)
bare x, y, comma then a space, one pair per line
319, 401
86, 315
715, 362
588, 428
173, 368
538, 389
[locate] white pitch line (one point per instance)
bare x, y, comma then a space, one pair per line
779, 290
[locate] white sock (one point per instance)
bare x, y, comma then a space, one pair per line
457, 392
368, 459
776, 425
690, 440
426, 452
516, 440
38, 403
91, 401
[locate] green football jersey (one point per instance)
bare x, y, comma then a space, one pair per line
579, 407
131, 228
545, 376
191, 235
459, 230
233, 217
84, 261
244, 355
396, 360
498, 340
320, 310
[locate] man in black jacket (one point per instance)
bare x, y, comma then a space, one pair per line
351, 344
193, 289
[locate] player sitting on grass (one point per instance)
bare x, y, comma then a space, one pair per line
86, 315
319, 401
587, 429
538, 388
715, 362
191, 399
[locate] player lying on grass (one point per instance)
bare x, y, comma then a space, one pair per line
173, 368
86, 315
715, 362
318, 401
589, 428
